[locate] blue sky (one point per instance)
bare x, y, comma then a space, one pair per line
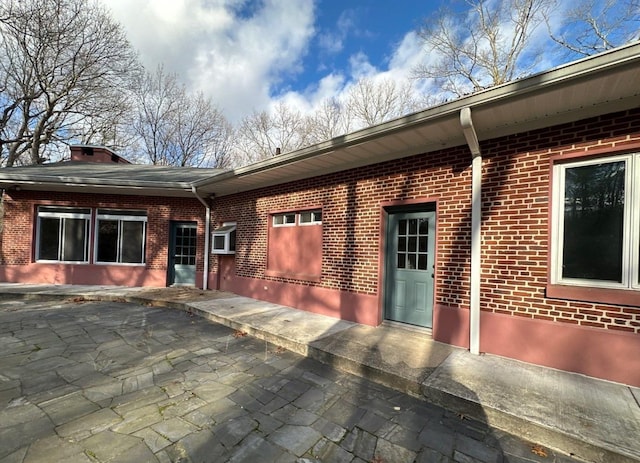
349, 28
252, 54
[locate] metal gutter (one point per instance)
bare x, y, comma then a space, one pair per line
476, 228
207, 232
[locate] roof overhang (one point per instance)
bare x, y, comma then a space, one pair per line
101, 178
593, 86
596, 85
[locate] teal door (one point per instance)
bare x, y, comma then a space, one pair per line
182, 254
410, 268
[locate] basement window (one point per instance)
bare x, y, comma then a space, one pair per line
223, 239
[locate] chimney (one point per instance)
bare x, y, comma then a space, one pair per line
277, 151
91, 153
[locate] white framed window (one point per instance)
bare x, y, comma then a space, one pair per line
596, 223
284, 220
62, 234
223, 239
120, 236
310, 217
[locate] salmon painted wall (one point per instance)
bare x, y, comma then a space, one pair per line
17, 263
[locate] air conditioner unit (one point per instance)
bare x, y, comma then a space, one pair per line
223, 239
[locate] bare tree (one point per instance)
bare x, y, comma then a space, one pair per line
372, 102
593, 26
262, 134
201, 134
177, 128
330, 120
158, 97
64, 69
481, 47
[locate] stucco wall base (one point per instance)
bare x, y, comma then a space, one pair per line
451, 325
60, 274
360, 308
606, 354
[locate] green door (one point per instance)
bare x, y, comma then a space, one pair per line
410, 268
182, 254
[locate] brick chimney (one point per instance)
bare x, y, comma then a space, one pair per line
91, 153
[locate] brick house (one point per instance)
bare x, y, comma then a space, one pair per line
100, 220
505, 222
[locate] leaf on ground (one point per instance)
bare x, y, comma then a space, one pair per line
539, 450
239, 334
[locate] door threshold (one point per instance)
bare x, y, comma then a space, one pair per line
408, 327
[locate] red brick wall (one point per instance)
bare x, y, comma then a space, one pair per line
515, 234
350, 203
20, 213
516, 228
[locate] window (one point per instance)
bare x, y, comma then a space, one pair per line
121, 236
283, 220
223, 239
596, 223
62, 234
310, 218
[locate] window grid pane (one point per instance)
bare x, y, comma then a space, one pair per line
413, 237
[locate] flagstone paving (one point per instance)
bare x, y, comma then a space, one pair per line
117, 382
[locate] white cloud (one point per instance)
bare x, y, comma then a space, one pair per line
234, 57
237, 52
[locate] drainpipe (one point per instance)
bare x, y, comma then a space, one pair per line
207, 232
476, 216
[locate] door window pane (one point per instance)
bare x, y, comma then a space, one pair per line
594, 198
422, 261
402, 243
413, 244
413, 239
413, 226
402, 227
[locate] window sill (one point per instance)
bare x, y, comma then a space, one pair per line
597, 295
64, 262
124, 264
293, 276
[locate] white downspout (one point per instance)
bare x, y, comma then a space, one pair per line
476, 223
207, 232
